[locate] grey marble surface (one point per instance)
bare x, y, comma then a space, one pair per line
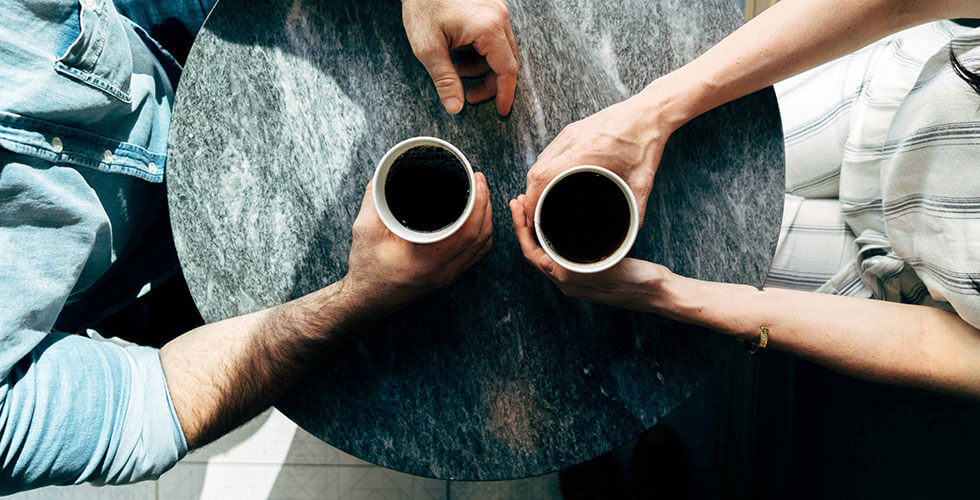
285, 108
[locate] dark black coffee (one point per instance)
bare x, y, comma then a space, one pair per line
427, 188
585, 217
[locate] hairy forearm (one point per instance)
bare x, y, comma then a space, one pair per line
788, 38
221, 374
875, 340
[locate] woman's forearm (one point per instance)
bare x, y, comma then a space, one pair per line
629, 137
788, 38
875, 340
882, 341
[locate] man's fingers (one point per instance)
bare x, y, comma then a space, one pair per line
506, 88
367, 219
537, 178
512, 40
486, 231
435, 58
484, 241
367, 201
471, 67
473, 229
641, 205
483, 90
497, 49
368, 193
483, 210
475, 253
484, 250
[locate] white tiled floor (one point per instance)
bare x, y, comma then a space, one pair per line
271, 458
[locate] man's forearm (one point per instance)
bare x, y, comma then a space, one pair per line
221, 374
876, 340
787, 39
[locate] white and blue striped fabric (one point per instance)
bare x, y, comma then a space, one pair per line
883, 174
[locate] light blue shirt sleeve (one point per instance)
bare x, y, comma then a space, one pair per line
72, 409
84, 118
79, 410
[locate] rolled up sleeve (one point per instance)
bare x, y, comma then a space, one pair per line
72, 409
78, 410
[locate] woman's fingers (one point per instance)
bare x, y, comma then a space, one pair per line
529, 247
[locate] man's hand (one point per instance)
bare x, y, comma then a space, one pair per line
386, 268
223, 373
481, 30
627, 138
632, 284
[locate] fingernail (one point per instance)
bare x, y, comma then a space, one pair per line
452, 104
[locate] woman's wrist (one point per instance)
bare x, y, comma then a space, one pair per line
663, 293
670, 101
722, 307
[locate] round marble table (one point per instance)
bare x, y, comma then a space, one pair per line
282, 113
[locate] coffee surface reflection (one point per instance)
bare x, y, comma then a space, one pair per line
427, 188
585, 217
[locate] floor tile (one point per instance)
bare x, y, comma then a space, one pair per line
190, 481
219, 481
363, 483
271, 438
146, 490
536, 488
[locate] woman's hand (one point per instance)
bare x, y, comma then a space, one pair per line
394, 272
627, 138
875, 340
632, 284
481, 30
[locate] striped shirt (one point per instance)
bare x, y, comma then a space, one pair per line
894, 134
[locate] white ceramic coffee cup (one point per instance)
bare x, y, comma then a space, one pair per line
381, 204
624, 247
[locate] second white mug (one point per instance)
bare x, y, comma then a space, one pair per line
587, 219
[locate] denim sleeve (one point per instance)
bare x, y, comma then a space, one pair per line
72, 409
78, 410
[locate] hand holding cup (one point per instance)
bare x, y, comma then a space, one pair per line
627, 138
586, 219
394, 272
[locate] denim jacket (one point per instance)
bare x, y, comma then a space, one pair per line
85, 103
91, 89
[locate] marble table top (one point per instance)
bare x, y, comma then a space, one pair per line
282, 113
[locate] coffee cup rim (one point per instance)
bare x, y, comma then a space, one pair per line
624, 247
380, 202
